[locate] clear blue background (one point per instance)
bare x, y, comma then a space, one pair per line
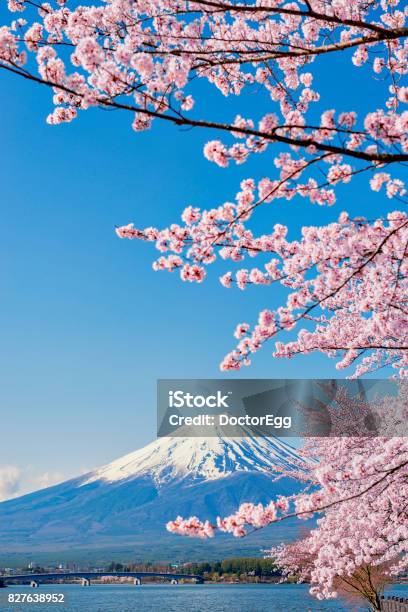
86, 325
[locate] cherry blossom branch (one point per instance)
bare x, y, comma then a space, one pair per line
383, 158
365, 40
260, 516
146, 59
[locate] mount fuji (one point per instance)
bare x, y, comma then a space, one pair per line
125, 505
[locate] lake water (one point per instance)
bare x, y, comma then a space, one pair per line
178, 598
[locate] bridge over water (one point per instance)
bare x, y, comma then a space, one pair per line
35, 579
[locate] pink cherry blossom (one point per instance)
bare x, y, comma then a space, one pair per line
355, 483
348, 280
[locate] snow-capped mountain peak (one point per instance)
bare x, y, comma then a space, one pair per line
128, 502
174, 459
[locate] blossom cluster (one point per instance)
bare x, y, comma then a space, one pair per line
347, 281
357, 485
143, 56
370, 526
192, 527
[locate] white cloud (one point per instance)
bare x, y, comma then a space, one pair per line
48, 479
15, 481
10, 481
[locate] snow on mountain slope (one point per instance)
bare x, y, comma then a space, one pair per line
128, 502
173, 459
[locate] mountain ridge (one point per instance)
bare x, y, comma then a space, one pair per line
199, 458
128, 501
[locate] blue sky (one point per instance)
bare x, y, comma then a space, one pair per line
86, 325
